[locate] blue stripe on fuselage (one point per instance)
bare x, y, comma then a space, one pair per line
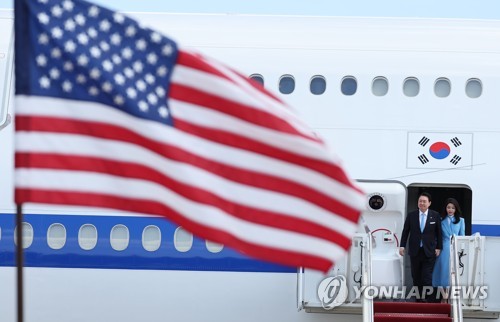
198, 258
486, 230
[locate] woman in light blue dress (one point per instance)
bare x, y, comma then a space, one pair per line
451, 224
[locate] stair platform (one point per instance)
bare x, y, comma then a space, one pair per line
411, 312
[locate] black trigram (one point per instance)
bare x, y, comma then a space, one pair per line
423, 158
423, 141
455, 159
456, 142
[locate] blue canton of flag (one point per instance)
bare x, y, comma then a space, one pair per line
85, 52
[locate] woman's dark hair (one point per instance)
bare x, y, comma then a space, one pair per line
458, 212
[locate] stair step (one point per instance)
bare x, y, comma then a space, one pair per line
412, 307
421, 315
411, 317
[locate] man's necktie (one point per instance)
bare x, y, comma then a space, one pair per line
422, 222
422, 226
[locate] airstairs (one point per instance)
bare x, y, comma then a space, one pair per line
370, 281
430, 312
470, 272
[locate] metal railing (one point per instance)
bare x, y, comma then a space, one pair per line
7, 122
367, 303
456, 301
475, 262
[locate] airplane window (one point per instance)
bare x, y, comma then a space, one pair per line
287, 84
183, 240
119, 237
27, 235
258, 78
349, 85
411, 87
318, 85
380, 86
214, 247
151, 238
442, 87
474, 88
0, 233
87, 237
56, 236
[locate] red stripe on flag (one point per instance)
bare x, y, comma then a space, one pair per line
257, 86
241, 175
247, 113
154, 208
198, 62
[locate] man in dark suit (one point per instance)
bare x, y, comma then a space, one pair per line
423, 226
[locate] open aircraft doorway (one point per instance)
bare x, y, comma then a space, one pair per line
441, 192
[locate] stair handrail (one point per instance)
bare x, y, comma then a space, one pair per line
366, 280
300, 288
7, 122
456, 301
477, 249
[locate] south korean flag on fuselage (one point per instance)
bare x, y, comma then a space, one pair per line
431, 150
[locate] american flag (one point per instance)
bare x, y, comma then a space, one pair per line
112, 114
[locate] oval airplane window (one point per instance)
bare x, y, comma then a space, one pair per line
151, 238
442, 87
380, 86
318, 85
286, 84
214, 247
411, 87
0, 233
473, 88
119, 237
183, 240
258, 78
56, 236
349, 85
28, 234
87, 237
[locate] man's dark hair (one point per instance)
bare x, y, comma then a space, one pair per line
425, 194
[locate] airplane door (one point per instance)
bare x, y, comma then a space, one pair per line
381, 223
439, 193
383, 219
